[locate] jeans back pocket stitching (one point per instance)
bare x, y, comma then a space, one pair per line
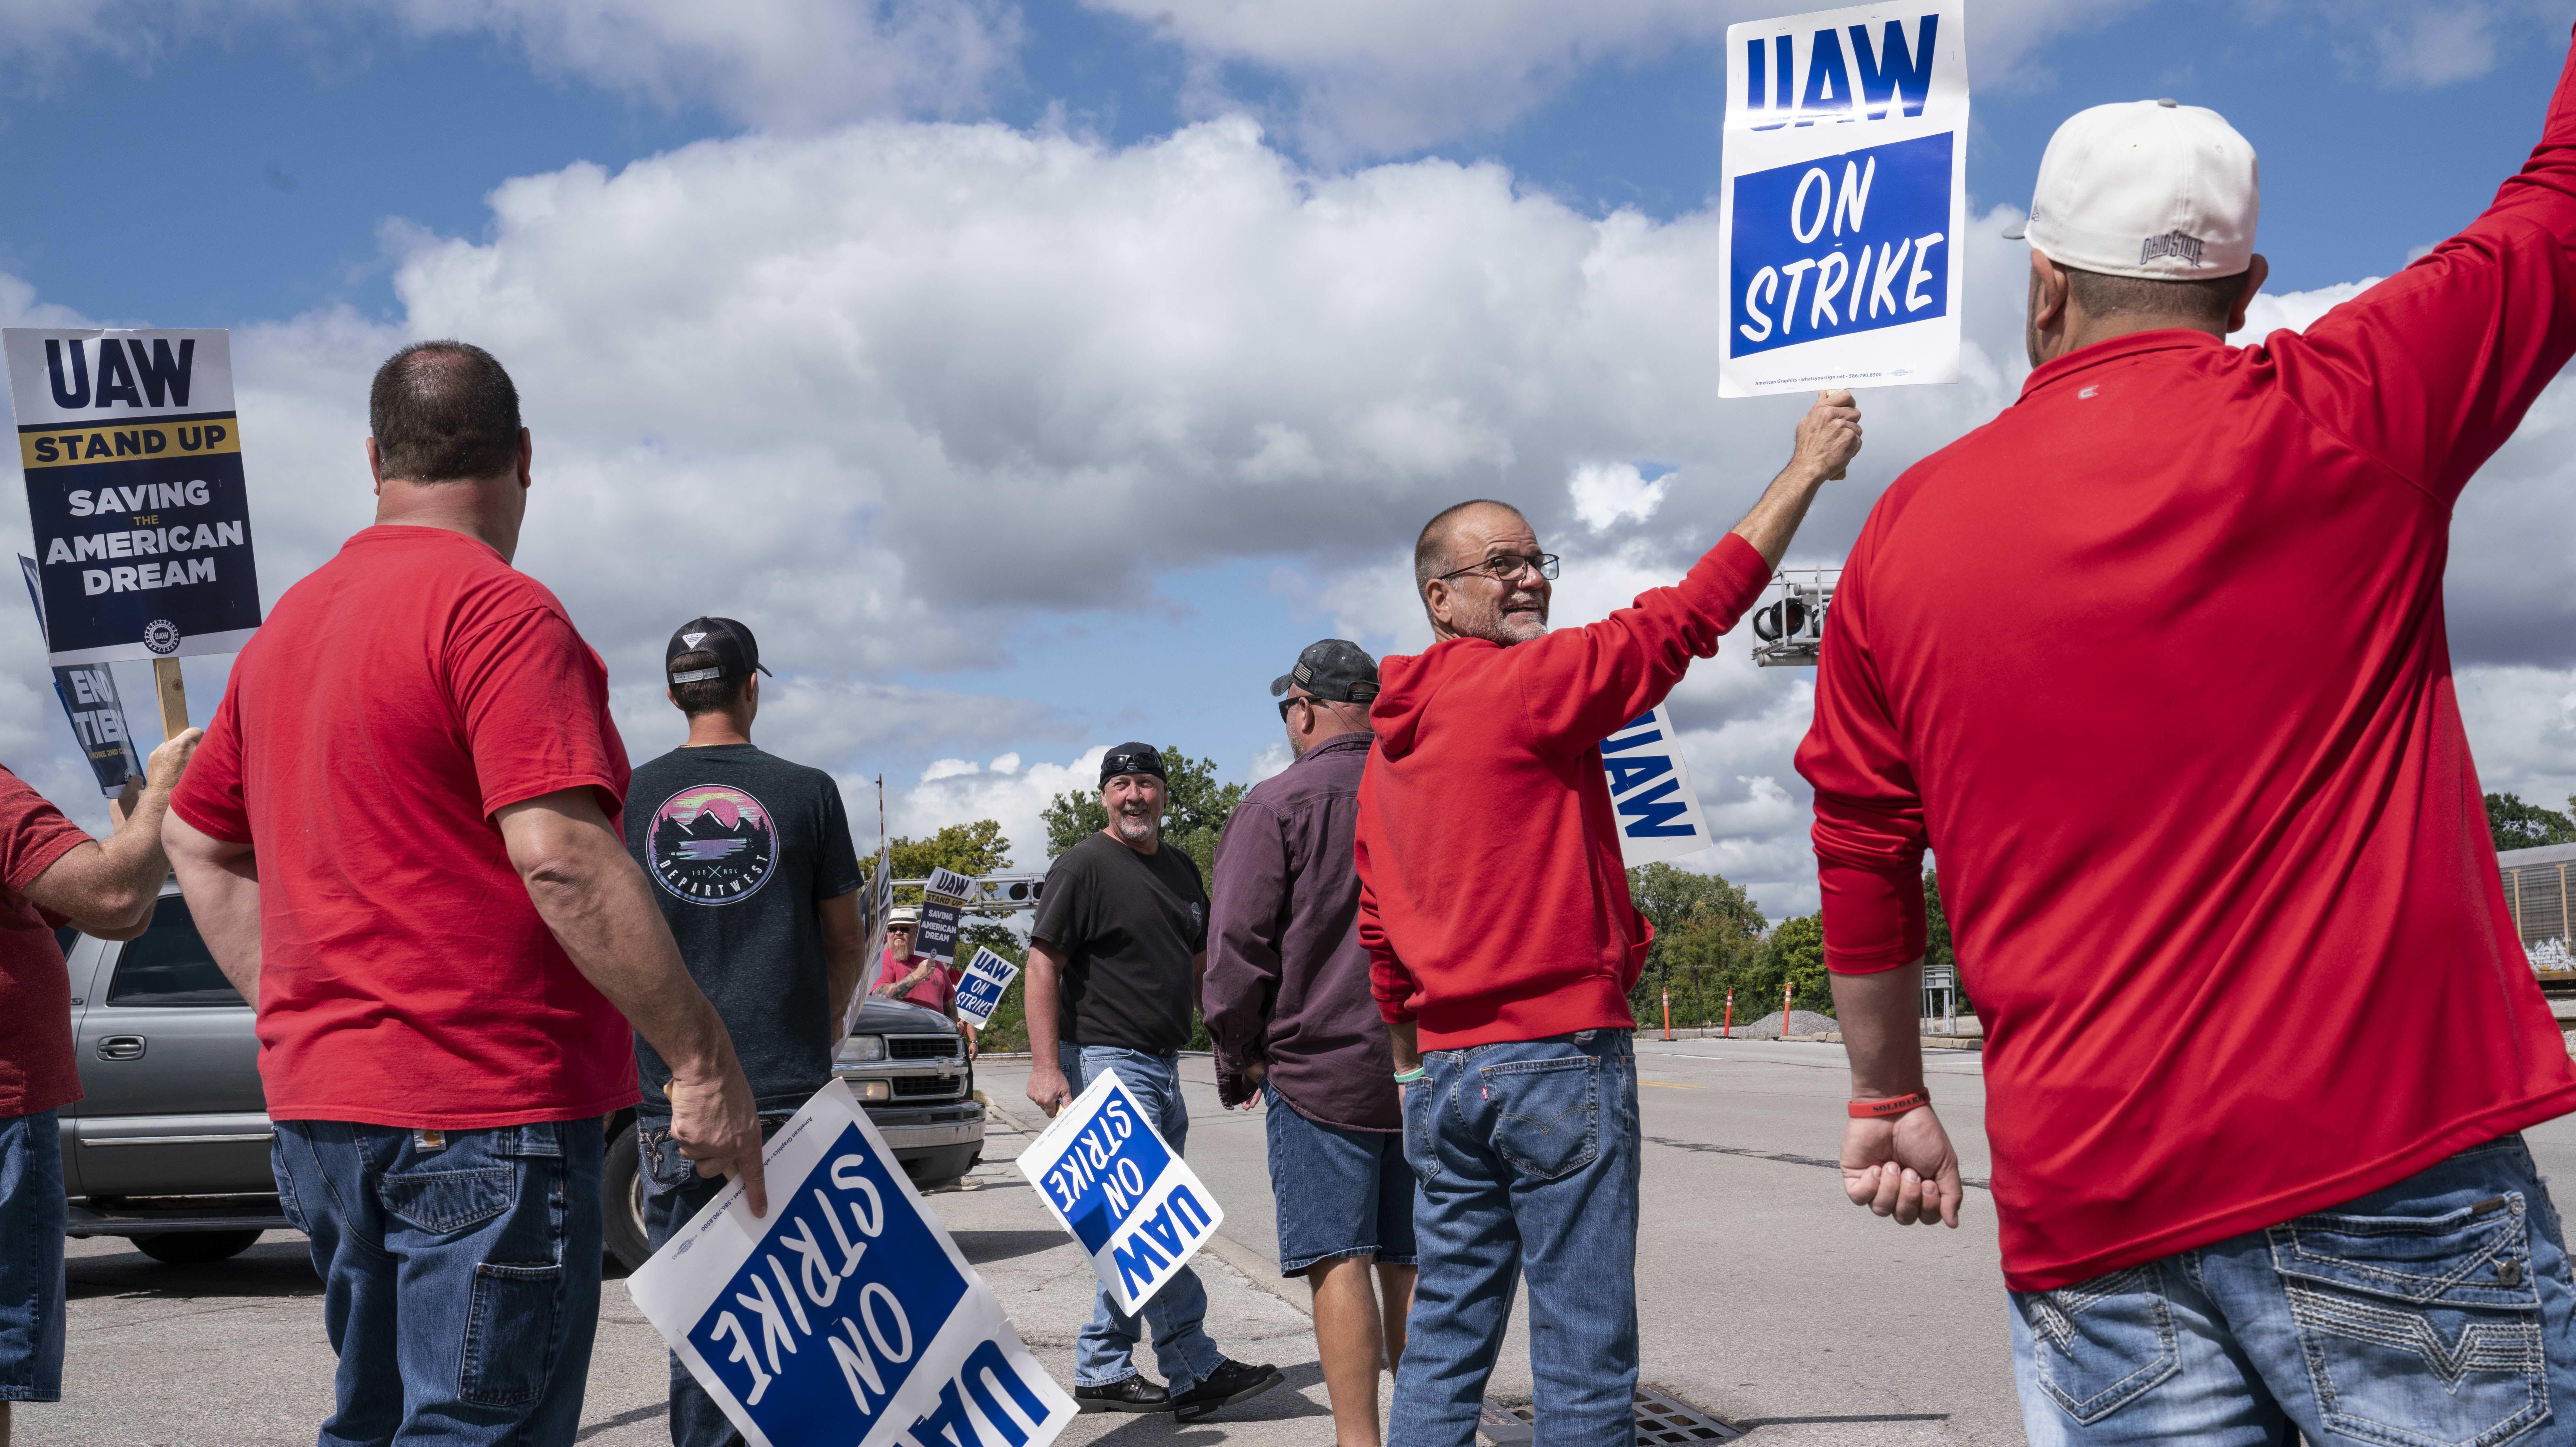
2412, 1287
2057, 1324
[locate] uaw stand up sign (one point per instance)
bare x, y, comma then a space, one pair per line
846, 1316
1110, 1179
1843, 194
134, 492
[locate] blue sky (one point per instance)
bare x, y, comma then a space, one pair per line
1046, 544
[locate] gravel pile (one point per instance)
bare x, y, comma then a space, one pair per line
1801, 1022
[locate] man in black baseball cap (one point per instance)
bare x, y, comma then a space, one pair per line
1288, 1004
757, 878
1335, 670
731, 652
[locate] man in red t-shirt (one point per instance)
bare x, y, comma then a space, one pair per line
919, 980
2260, 1031
400, 842
1494, 907
52, 874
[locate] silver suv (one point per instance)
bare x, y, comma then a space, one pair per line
168, 1145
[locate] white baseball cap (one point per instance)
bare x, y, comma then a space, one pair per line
2146, 188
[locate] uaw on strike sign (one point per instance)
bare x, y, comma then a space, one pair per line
847, 1315
1650, 791
134, 488
1844, 191
1109, 1178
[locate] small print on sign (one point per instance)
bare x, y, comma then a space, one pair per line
1650, 790
1844, 187
979, 991
1106, 1175
846, 1316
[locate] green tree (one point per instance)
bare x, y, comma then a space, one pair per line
1795, 955
1193, 816
1940, 952
2517, 825
1707, 931
974, 849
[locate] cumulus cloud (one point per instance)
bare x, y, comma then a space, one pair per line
925, 400
778, 64
1608, 493
1384, 77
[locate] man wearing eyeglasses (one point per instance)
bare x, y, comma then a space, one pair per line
1502, 944
1115, 957
1288, 1005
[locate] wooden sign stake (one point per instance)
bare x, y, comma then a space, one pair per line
173, 692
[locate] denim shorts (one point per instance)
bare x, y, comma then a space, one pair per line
32, 1217
1339, 1192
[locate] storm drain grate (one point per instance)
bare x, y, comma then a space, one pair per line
1663, 1420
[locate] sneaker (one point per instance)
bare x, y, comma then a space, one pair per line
1127, 1394
1231, 1382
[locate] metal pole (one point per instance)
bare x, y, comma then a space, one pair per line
1668, 1014
1728, 1031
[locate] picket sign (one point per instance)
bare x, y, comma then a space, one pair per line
847, 1316
89, 700
943, 900
1842, 194
980, 989
1110, 1179
1650, 790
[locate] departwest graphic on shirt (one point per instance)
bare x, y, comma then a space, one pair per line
712, 844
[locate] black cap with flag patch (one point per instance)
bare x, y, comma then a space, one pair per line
736, 651
1335, 670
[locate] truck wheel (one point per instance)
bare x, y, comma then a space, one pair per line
194, 1248
621, 1206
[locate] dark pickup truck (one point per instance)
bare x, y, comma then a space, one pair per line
168, 1145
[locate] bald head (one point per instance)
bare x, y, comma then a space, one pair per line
1476, 566
1431, 550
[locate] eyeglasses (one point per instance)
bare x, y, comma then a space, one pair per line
899, 929
1286, 704
1503, 567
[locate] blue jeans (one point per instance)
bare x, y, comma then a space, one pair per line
32, 1218
674, 1192
1106, 1350
2436, 1311
1339, 1192
460, 1280
1526, 1155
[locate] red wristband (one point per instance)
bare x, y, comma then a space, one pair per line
1894, 1105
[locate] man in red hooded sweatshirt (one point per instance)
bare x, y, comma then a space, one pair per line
1494, 907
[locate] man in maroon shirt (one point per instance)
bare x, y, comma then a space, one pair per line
400, 844
2260, 1034
52, 874
1287, 1003
1502, 944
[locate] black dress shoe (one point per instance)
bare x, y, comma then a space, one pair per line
1128, 1394
1230, 1383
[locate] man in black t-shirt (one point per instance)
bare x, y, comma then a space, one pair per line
1115, 957
760, 884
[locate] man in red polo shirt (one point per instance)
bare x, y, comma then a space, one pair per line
399, 841
2260, 1033
1502, 944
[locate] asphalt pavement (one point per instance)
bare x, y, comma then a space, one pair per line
1766, 1298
